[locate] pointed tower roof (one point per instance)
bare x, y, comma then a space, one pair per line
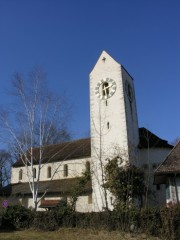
105, 58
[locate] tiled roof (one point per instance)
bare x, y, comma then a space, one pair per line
82, 148
64, 151
171, 164
62, 186
148, 139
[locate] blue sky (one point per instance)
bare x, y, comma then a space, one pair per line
66, 37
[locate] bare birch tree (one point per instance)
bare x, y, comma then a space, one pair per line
5, 165
37, 119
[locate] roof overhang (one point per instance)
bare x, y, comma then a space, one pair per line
49, 203
162, 178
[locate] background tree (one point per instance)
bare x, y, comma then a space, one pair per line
38, 118
126, 183
175, 141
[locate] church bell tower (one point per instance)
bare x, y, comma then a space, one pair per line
114, 124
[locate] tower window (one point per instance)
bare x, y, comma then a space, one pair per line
34, 172
107, 125
106, 103
20, 174
65, 170
105, 89
49, 172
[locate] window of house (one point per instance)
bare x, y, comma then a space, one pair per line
49, 172
34, 172
20, 174
168, 196
158, 187
90, 198
65, 170
88, 166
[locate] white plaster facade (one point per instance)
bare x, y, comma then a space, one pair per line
114, 125
75, 169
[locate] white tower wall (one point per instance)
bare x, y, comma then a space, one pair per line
114, 126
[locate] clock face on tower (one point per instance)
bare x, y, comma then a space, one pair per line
105, 88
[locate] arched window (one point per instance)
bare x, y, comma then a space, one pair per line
20, 174
88, 166
49, 172
34, 172
65, 170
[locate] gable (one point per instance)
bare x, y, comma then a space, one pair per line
171, 164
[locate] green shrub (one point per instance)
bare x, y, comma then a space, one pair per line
61, 216
170, 218
17, 217
150, 221
45, 221
162, 222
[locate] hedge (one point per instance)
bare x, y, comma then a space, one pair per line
163, 222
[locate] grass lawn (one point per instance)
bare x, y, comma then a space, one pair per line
71, 234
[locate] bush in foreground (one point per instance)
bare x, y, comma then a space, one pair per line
162, 222
17, 217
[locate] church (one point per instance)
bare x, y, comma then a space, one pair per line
114, 133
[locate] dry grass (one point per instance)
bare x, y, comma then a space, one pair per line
72, 234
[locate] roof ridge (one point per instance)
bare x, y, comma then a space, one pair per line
71, 141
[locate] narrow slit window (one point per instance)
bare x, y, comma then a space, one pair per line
20, 174
49, 172
106, 103
107, 125
65, 170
